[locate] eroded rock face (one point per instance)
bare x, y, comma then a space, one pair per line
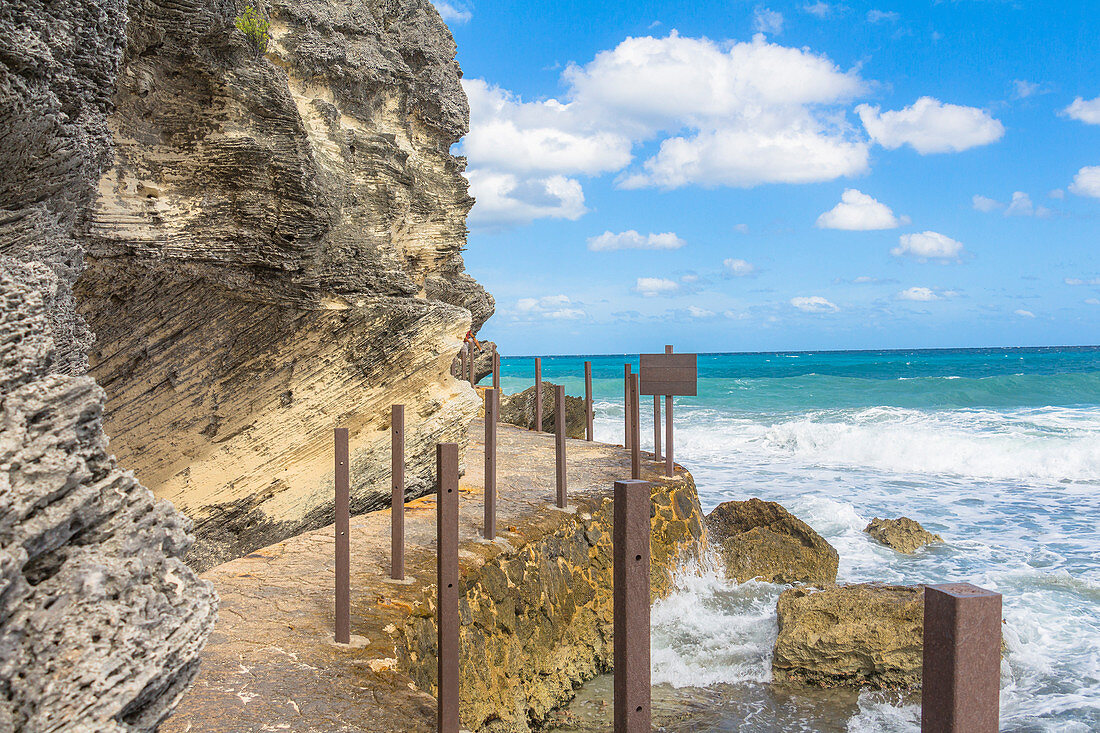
866, 634
519, 409
277, 252
762, 540
902, 534
101, 622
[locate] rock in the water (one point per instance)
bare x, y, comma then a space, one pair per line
902, 534
101, 622
866, 634
761, 539
276, 251
519, 409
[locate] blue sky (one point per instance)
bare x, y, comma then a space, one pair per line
743, 176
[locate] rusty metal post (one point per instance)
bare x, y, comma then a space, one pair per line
559, 441
343, 544
961, 680
446, 527
538, 394
635, 428
589, 416
627, 432
492, 416
670, 466
630, 535
496, 369
397, 492
657, 428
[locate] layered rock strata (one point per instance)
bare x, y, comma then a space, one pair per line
101, 622
277, 252
762, 540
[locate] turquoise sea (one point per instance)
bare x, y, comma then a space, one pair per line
997, 450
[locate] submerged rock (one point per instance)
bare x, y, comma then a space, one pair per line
761, 539
902, 534
866, 634
519, 409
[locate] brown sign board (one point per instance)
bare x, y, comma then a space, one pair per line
669, 374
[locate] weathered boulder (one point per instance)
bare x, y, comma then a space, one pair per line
277, 251
519, 409
902, 534
101, 622
866, 634
760, 539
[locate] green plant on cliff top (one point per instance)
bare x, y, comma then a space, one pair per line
255, 28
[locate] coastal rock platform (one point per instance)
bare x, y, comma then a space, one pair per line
535, 605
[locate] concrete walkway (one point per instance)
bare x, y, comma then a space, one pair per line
271, 664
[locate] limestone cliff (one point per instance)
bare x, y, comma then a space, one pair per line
101, 622
276, 252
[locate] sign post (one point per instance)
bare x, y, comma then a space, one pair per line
670, 375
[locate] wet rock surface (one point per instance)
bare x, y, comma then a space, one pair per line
902, 534
519, 409
275, 251
535, 606
852, 635
761, 539
101, 622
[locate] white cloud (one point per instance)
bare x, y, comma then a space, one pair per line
859, 212
918, 294
1082, 281
553, 307
814, 304
930, 126
653, 286
1024, 314
928, 245
1087, 182
866, 280
456, 13
633, 240
1085, 111
879, 16
696, 312
1022, 89
986, 204
1057, 193
765, 20
738, 268
819, 9
1092, 301
507, 199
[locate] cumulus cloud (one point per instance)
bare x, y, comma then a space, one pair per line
553, 307
633, 240
1082, 281
695, 311
814, 304
1087, 111
928, 245
930, 126
918, 294
457, 13
1092, 301
819, 9
721, 113
986, 204
859, 212
1024, 314
738, 268
507, 199
654, 286
1087, 182
765, 20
